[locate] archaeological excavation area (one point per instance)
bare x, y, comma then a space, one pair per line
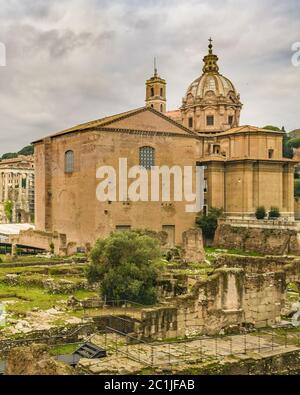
233, 312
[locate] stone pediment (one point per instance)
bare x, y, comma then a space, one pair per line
143, 119
148, 120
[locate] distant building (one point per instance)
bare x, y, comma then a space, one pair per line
17, 190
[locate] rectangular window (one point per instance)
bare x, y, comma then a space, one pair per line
230, 120
123, 228
216, 149
147, 157
190, 122
205, 184
210, 120
271, 153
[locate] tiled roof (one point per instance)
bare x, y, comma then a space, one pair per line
103, 122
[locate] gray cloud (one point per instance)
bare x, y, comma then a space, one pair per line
70, 61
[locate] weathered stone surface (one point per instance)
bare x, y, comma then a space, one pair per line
259, 239
34, 360
244, 291
193, 250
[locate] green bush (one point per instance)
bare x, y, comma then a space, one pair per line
260, 212
127, 266
208, 223
274, 212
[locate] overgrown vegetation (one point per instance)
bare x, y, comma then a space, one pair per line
8, 210
208, 223
127, 265
28, 150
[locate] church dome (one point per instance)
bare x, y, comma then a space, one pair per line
210, 81
211, 103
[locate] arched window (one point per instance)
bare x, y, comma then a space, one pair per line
69, 162
161, 92
147, 157
152, 91
161, 108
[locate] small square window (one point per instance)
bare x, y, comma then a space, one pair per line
210, 120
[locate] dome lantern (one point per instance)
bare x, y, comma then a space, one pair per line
211, 103
210, 60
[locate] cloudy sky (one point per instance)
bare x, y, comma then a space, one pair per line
70, 61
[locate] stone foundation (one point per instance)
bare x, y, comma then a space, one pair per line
251, 293
264, 240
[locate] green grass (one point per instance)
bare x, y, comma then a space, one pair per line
27, 258
64, 349
60, 270
36, 298
214, 250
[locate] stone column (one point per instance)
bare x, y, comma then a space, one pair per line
20, 187
5, 186
1, 187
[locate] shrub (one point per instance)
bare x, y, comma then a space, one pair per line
208, 223
127, 266
274, 212
260, 212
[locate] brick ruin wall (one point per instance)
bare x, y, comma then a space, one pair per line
245, 295
258, 239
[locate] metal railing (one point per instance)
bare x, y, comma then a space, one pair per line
198, 347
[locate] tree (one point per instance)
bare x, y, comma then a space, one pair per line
274, 212
260, 212
209, 223
287, 150
271, 127
294, 143
9, 155
28, 150
127, 265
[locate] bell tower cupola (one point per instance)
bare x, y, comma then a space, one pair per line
156, 92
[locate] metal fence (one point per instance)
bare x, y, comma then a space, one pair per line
198, 347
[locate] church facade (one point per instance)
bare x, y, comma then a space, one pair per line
244, 167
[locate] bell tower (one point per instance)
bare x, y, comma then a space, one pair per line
156, 92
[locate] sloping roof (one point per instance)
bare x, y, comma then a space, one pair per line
248, 129
173, 113
107, 121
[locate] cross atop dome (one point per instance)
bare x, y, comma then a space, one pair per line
210, 60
